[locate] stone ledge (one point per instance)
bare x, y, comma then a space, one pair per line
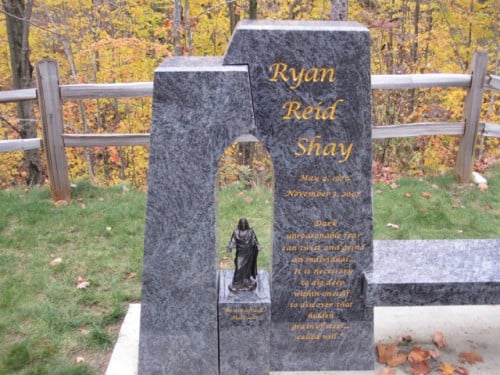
434, 272
467, 328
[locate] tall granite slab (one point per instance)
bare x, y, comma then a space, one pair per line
311, 92
244, 327
199, 108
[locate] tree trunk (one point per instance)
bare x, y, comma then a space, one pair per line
233, 17
187, 28
252, 9
177, 28
17, 19
339, 10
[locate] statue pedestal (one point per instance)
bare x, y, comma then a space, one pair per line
244, 327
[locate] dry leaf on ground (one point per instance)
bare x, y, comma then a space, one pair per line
84, 330
392, 226
248, 199
482, 187
61, 203
388, 354
447, 369
81, 283
131, 275
406, 338
418, 355
471, 357
426, 195
438, 339
435, 354
387, 371
80, 360
408, 194
56, 261
420, 368
462, 370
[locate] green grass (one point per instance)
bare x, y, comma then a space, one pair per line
256, 205
46, 322
437, 207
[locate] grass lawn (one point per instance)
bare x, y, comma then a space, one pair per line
48, 324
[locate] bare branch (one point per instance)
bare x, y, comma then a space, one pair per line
10, 125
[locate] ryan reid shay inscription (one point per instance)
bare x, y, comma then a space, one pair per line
310, 84
307, 88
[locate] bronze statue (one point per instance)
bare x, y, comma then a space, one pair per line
245, 263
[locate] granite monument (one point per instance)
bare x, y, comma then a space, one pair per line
303, 90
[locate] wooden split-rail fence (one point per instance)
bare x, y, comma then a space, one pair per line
51, 94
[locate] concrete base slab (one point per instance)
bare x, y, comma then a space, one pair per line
466, 328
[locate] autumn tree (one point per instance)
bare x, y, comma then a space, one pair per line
339, 10
17, 19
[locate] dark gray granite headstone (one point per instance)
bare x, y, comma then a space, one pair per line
308, 86
199, 108
311, 96
244, 327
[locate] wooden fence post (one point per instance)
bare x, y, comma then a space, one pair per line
473, 101
49, 99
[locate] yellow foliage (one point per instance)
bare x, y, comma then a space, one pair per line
125, 41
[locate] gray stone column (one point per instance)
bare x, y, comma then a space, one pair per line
199, 108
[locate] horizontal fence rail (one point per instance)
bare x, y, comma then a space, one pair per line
474, 83
20, 144
145, 89
17, 95
106, 90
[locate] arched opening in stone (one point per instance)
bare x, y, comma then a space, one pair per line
245, 184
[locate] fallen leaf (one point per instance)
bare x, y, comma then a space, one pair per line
406, 338
61, 203
438, 339
84, 330
131, 275
56, 262
81, 283
435, 354
408, 194
392, 226
471, 357
80, 360
248, 199
447, 369
378, 191
426, 195
393, 186
462, 370
385, 352
482, 187
398, 360
420, 368
487, 207
387, 371
418, 355
388, 354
